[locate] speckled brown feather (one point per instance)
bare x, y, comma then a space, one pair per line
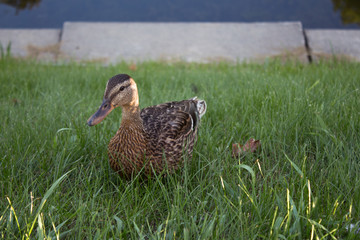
165, 135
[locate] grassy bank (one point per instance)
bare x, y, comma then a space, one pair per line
55, 180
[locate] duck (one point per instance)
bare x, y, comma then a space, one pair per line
153, 140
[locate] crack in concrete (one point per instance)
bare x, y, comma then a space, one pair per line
307, 46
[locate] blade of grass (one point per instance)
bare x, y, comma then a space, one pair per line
45, 198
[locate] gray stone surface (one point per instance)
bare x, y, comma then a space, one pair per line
330, 43
35, 43
198, 42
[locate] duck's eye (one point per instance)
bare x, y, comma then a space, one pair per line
122, 88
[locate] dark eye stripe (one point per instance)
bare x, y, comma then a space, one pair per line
122, 88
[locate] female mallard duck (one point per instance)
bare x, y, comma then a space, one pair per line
151, 139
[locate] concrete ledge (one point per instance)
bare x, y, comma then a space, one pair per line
111, 42
192, 42
334, 43
35, 43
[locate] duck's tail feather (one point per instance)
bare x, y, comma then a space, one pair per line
200, 106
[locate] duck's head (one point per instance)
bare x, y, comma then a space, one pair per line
121, 91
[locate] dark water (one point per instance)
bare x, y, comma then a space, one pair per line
52, 13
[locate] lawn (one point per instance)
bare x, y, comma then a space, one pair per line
304, 183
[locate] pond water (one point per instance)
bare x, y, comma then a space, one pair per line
51, 14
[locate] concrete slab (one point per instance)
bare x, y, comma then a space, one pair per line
192, 42
35, 43
330, 43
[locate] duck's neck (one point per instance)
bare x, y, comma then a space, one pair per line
131, 116
131, 111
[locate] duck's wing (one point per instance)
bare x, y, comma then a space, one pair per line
171, 129
170, 121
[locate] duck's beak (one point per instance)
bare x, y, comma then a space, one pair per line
105, 108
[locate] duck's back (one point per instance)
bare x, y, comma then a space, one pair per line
172, 131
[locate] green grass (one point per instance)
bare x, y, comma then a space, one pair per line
55, 181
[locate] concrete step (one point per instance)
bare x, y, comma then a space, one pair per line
41, 44
334, 43
191, 42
